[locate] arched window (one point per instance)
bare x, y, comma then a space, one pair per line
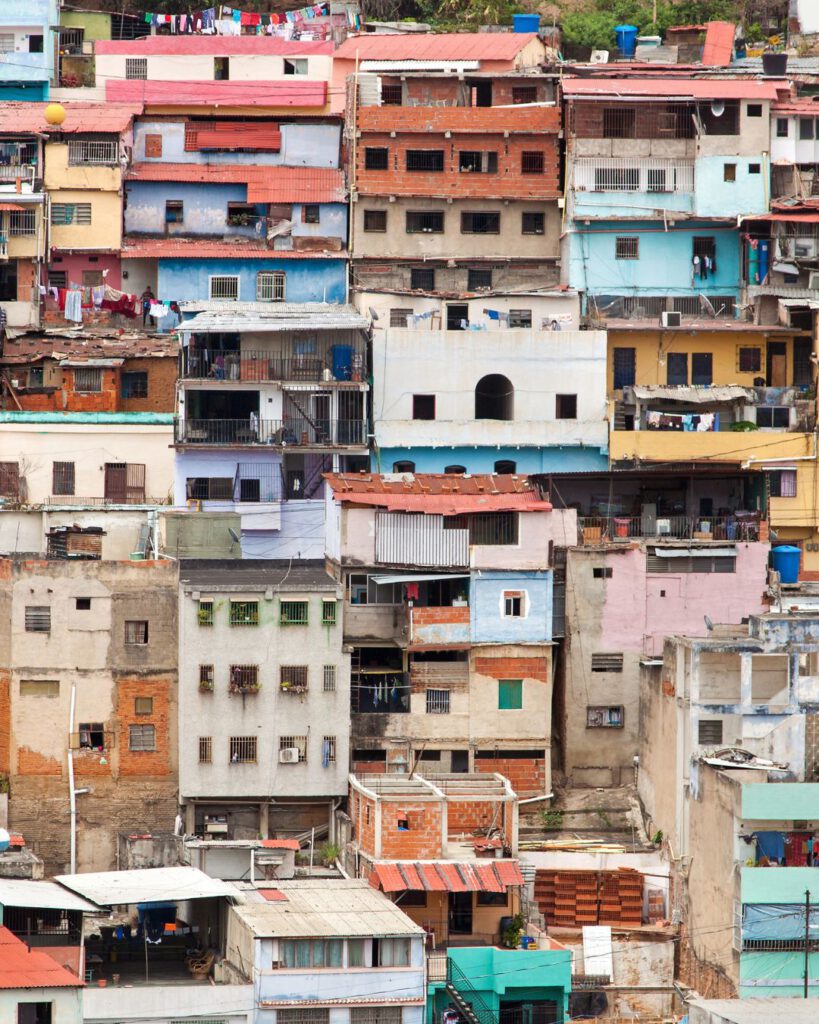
494, 398
403, 467
506, 466
454, 469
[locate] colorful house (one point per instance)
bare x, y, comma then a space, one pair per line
28, 36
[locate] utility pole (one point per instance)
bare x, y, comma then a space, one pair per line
807, 937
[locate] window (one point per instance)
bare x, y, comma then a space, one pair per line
398, 317
805, 128
701, 368
6, 42
242, 749
532, 162
404, 466
489, 528
479, 222
391, 95
475, 161
86, 152
174, 211
607, 663
62, 477
619, 123
566, 407
782, 483
616, 179
293, 613
136, 631
39, 688
520, 318
141, 737
625, 367
209, 488
427, 222
491, 899
773, 416
35, 1013
505, 467
524, 94
375, 220
478, 278
57, 278
754, 110
533, 224
35, 43
423, 407
754, 168
457, 469
602, 572
422, 278
22, 222
494, 398
224, 288
782, 127
242, 215
513, 604
676, 368
38, 618
749, 359
355, 953
437, 702
704, 245
293, 678
143, 705
82, 604
391, 952
9, 479
329, 680
270, 286
657, 180
729, 172
627, 247
205, 613
91, 736
134, 384
709, 732
136, 67
88, 380
294, 743
604, 717
205, 749
510, 694
328, 612
656, 563
376, 158
425, 159
309, 953
387, 1014
153, 146
295, 66
244, 613
221, 69
328, 751
206, 677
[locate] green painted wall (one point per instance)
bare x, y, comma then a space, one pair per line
783, 801
779, 885
96, 25
776, 974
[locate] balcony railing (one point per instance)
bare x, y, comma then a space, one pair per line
11, 172
613, 529
290, 433
596, 174
339, 363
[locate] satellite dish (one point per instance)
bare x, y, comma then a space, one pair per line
718, 108
706, 305
373, 314
709, 625
5, 840
234, 536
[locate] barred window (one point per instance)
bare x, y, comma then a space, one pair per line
82, 151
377, 1014
242, 749
62, 478
22, 222
243, 678
425, 159
328, 750
9, 479
136, 631
205, 613
293, 613
293, 678
224, 287
533, 223
205, 749
437, 702
480, 222
524, 94
427, 222
206, 677
244, 613
329, 678
375, 220
141, 737
627, 247
532, 162
607, 662
376, 158
294, 743
270, 286
604, 717
399, 316
38, 618
70, 213
328, 612
136, 67
88, 379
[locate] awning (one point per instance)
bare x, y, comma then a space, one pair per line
694, 394
419, 577
446, 876
23, 892
148, 885
696, 552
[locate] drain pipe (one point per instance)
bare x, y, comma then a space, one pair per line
534, 799
72, 793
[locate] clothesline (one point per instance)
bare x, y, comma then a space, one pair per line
230, 21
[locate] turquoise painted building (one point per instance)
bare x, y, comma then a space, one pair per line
28, 30
505, 986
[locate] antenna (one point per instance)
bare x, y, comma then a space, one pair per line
705, 304
718, 108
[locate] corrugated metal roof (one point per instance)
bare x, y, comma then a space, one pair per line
420, 65
265, 184
446, 875
694, 394
255, 574
19, 892
274, 316
700, 88
207, 248
346, 1001
316, 908
450, 505
29, 347
147, 885
345, 485
719, 43
217, 46
281, 844
756, 1010
493, 46
80, 117
154, 93
21, 967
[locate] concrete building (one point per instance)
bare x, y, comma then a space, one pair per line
443, 846
29, 32
334, 949
264, 708
89, 692
499, 400
449, 615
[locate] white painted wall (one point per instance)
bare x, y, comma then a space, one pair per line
165, 1003
199, 67
67, 1004
561, 306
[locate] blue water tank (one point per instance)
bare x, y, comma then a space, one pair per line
342, 356
785, 559
764, 257
626, 36
525, 22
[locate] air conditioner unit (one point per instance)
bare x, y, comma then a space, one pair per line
813, 280
289, 755
216, 824
672, 319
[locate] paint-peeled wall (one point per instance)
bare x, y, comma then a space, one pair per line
204, 209
312, 279
490, 618
529, 459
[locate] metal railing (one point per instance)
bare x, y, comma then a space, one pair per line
605, 529
25, 172
213, 364
600, 174
436, 966
465, 996
293, 432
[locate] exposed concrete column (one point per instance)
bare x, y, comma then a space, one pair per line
793, 680
264, 819
190, 819
746, 680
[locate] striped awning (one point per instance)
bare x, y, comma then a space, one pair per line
446, 876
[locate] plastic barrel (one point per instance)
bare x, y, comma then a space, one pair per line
775, 64
764, 256
525, 22
785, 559
626, 36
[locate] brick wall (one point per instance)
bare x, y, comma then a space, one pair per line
369, 767
513, 668
161, 385
30, 762
5, 722
470, 815
362, 812
526, 775
25, 281
144, 763
423, 838
709, 980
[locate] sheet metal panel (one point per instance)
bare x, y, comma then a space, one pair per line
402, 539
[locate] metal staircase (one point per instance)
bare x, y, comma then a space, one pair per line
467, 1001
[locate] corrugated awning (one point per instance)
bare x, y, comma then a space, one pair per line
694, 395
696, 552
446, 876
420, 577
420, 65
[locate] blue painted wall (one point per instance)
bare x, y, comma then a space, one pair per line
489, 626
216, 464
664, 265
602, 205
24, 75
308, 280
482, 460
716, 197
301, 534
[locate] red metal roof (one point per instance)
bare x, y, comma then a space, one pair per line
450, 505
494, 46
439, 493
509, 872
719, 44
411, 875
265, 184
446, 876
454, 881
80, 117
697, 88
208, 94
388, 878
207, 248
21, 967
797, 216
281, 844
10, 207
223, 173
273, 895
489, 877
217, 46
807, 105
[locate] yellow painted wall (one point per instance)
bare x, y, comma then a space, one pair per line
59, 175
25, 247
652, 346
104, 231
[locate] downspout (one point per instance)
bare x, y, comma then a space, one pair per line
72, 792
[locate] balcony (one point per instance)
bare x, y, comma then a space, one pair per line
656, 176
10, 173
290, 433
739, 526
439, 627
337, 363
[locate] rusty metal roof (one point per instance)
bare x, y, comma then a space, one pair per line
159, 93
265, 184
80, 117
30, 348
439, 493
214, 248
667, 88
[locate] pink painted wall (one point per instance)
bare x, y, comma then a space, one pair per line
640, 609
75, 263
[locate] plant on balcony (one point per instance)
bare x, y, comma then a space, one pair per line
510, 938
741, 426
206, 686
244, 688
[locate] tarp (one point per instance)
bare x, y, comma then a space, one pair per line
696, 552
764, 921
694, 394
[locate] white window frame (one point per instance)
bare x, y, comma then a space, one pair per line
92, 152
223, 277
271, 286
140, 735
